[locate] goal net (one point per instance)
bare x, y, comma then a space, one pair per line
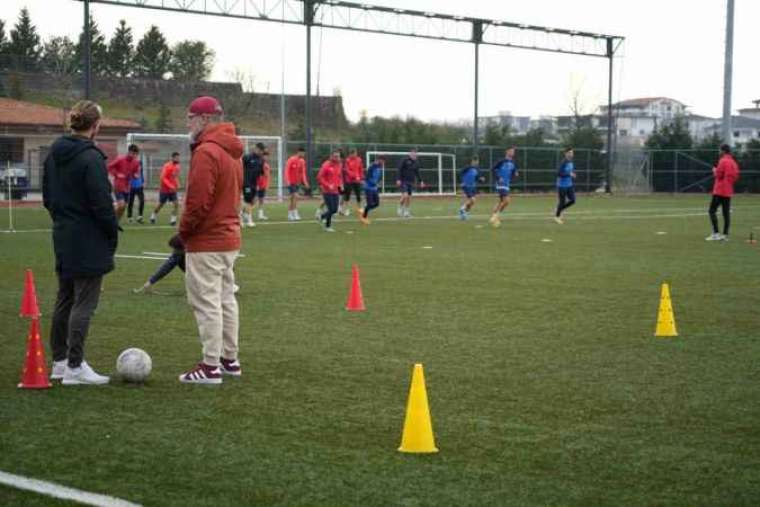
437, 170
156, 149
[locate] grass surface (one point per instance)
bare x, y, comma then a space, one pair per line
546, 384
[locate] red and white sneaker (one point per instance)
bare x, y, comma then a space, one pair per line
202, 374
230, 367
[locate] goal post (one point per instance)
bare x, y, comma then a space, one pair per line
437, 170
156, 149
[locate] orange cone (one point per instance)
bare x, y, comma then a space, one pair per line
355, 300
29, 307
35, 375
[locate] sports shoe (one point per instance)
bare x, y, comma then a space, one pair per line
249, 222
173, 220
146, 288
82, 375
202, 374
317, 213
714, 237
400, 211
364, 220
235, 288
59, 367
130, 220
462, 214
262, 216
559, 220
230, 367
139, 220
152, 218
296, 216
329, 229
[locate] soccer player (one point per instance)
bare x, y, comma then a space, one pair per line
253, 166
503, 172
295, 175
408, 175
469, 188
371, 192
331, 184
565, 186
726, 174
176, 259
354, 175
262, 183
167, 191
122, 170
136, 190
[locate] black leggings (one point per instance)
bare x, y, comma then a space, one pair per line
174, 260
565, 194
331, 200
725, 203
373, 201
140, 197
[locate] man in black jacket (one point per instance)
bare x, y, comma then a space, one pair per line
77, 194
253, 167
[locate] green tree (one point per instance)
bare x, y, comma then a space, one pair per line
164, 120
59, 56
152, 56
584, 137
4, 62
674, 135
191, 61
533, 138
16, 87
711, 142
121, 51
98, 50
24, 45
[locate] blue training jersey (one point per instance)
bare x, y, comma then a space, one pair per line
503, 172
564, 176
470, 177
138, 181
374, 174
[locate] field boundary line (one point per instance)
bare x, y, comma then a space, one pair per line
63, 492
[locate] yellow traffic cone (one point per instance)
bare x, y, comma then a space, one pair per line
666, 321
418, 430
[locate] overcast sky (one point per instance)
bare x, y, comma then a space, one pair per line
673, 48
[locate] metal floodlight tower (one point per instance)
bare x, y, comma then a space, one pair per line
361, 17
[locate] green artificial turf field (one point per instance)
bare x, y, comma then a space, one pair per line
546, 384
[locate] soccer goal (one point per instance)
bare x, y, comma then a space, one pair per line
437, 170
156, 149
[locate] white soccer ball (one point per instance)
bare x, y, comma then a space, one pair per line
134, 365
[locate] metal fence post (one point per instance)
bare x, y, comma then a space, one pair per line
675, 171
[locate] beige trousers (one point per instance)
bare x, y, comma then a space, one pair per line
210, 282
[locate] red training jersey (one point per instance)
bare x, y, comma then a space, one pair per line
354, 169
295, 171
329, 177
262, 183
123, 169
726, 174
169, 178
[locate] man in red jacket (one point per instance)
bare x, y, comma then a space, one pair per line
210, 231
330, 183
353, 183
726, 174
122, 171
295, 176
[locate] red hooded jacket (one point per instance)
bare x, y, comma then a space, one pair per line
354, 169
329, 177
123, 169
210, 220
726, 174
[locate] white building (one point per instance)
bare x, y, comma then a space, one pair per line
517, 124
636, 119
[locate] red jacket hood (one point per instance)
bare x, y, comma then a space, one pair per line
224, 135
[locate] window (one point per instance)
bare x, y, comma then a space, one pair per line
12, 149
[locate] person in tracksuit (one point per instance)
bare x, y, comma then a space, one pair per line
503, 172
371, 190
136, 190
408, 176
470, 176
726, 174
565, 185
330, 180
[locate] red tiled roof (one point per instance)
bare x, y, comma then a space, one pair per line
18, 112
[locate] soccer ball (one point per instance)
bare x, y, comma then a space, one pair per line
134, 365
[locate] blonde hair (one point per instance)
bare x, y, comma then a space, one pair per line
84, 115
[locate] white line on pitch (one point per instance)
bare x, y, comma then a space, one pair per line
123, 256
63, 492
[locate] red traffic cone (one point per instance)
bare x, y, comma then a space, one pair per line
29, 307
35, 375
355, 301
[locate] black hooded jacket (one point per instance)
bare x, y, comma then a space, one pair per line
77, 194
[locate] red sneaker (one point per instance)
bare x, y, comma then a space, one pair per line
202, 374
230, 367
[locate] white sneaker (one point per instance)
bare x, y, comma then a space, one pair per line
173, 220
297, 216
329, 229
235, 288
317, 213
59, 367
262, 216
249, 221
559, 220
83, 375
714, 237
346, 212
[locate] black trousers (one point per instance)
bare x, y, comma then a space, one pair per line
174, 260
76, 302
331, 200
566, 199
718, 201
356, 188
136, 192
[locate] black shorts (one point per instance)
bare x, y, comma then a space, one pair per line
352, 187
164, 197
249, 195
